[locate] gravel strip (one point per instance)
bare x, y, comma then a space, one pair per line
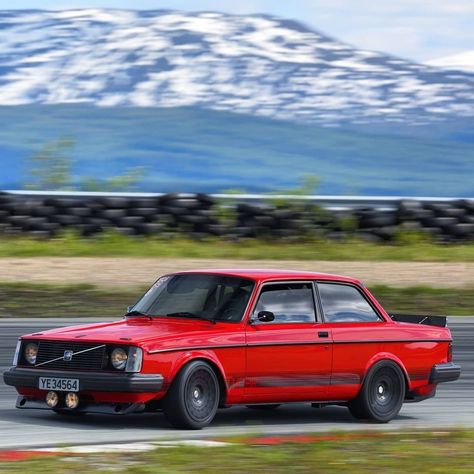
129, 272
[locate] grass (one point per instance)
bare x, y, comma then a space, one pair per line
32, 300
426, 300
344, 453
50, 300
110, 244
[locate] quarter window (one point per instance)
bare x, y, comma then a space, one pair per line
290, 303
344, 303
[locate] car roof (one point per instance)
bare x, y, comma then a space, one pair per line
264, 274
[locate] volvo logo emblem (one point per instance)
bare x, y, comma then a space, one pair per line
68, 356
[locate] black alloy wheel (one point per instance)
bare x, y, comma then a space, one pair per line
193, 397
381, 395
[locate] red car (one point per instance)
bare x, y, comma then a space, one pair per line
200, 340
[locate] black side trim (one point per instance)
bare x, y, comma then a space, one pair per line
445, 373
293, 343
99, 382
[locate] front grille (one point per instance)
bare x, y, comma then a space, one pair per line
95, 359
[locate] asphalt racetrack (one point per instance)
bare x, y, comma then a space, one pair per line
452, 407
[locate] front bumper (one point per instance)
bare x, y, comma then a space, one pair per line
444, 373
88, 381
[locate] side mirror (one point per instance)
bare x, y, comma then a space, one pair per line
129, 308
265, 316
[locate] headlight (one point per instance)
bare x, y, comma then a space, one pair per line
31, 351
119, 358
135, 356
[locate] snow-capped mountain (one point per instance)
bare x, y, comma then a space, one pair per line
255, 64
461, 62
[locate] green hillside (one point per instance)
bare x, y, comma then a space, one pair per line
197, 150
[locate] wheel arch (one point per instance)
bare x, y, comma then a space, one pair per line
389, 357
209, 359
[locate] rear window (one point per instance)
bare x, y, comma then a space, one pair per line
345, 303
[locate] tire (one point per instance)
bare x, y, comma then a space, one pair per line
463, 230
173, 211
189, 204
143, 211
378, 220
381, 395
268, 407
117, 202
43, 211
113, 214
80, 211
386, 233
129, 221
205, 199
66, 220
194, 219
143, 203
193, 398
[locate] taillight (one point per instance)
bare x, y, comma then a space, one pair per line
450, 352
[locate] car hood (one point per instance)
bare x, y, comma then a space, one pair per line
138, 331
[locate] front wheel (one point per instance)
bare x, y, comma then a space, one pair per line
381, 395
193, 398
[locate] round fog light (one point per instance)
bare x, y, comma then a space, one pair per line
71, 400
52, 399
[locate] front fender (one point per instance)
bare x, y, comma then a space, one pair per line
206, 355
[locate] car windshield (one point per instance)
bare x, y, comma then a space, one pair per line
200, 296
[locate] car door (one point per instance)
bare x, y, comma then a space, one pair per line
289, 358
357, 330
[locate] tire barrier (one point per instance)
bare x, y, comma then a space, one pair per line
199, 215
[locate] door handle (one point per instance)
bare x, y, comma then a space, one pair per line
323, 334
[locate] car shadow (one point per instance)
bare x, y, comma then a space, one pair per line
238, 416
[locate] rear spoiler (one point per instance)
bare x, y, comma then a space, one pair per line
439, 321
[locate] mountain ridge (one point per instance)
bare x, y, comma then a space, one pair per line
252, 64
463, 61
210, 101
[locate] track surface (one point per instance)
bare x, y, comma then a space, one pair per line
452, 407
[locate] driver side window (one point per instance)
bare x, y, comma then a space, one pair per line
289, 302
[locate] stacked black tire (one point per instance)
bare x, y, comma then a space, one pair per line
290, 221
165, 215
448, 221
199, 216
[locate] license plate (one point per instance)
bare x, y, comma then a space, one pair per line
58, 385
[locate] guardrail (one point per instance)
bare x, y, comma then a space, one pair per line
331, 202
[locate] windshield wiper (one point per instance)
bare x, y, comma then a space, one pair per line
187, 314
138, 313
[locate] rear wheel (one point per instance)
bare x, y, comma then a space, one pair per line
381, 395
193, 397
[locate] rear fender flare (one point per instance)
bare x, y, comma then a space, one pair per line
387, 356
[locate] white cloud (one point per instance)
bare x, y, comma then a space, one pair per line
416, 29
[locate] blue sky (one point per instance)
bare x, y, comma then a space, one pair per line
414, 29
